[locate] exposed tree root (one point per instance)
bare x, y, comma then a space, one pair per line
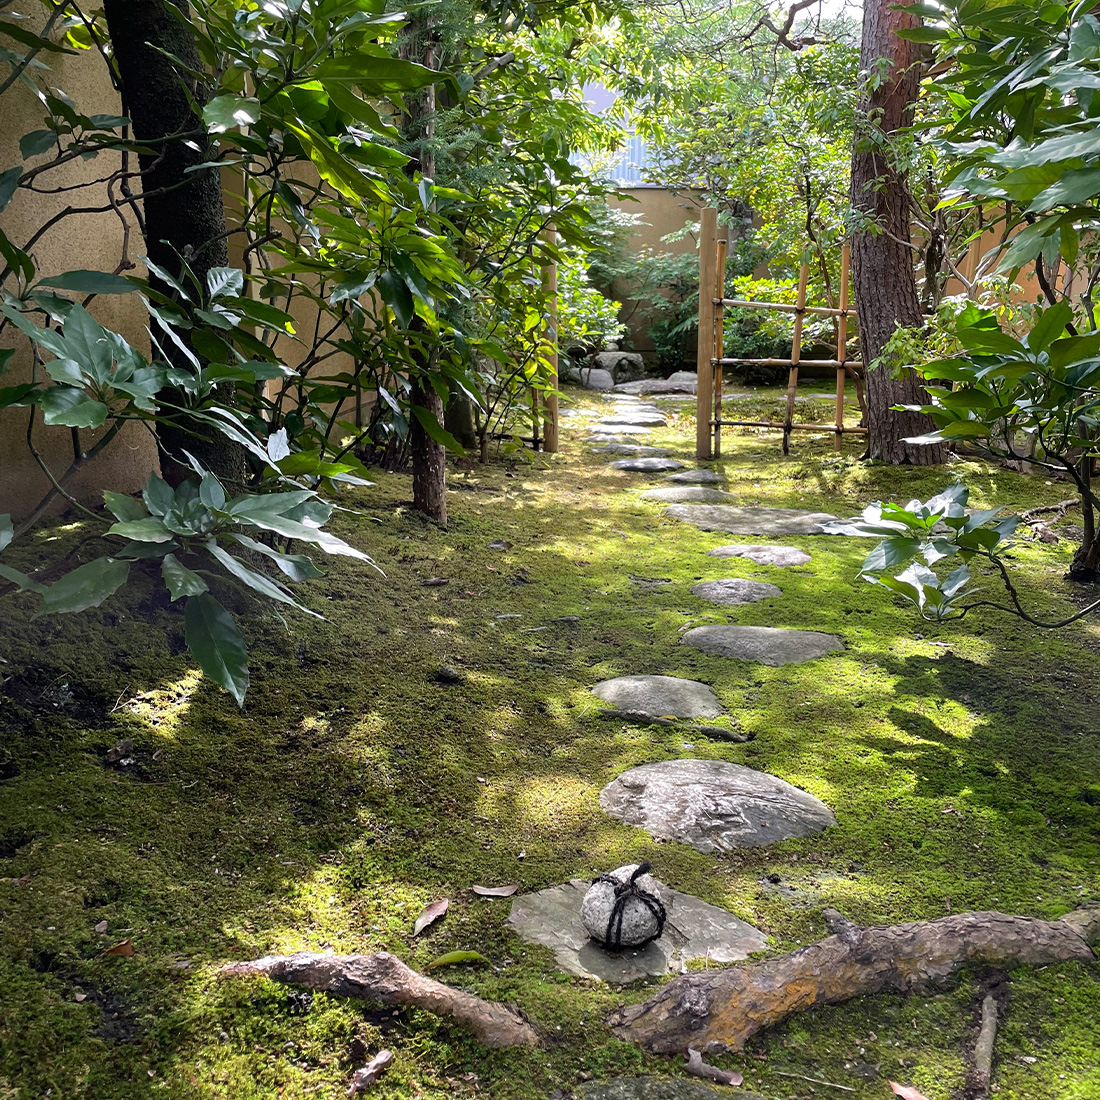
717, 1010
384, 978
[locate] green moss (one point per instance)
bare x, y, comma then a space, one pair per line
962, 760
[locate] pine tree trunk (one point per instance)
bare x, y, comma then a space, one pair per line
429, 459
885, 283
188, 219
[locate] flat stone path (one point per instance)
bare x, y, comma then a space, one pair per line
735, 592
658, 1088
697, 477
616, 433
763, 555
767, 644
713, 805
631, 449
695, 930
680, 493
660, 697
750, 521
640, 419
646, 465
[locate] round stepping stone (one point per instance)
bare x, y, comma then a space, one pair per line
734, 592
657, 1088
712, 805
646, 465
751, 521
695, 930
769, 645
697, 477
763, 555
660, 697
681, 493
632, 449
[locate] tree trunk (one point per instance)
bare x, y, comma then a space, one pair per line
885, 283
716, 1010
188, 219
429, 465
1086, 561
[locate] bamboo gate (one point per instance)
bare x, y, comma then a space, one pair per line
711, 360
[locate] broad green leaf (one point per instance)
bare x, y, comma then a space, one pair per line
1074, 188
435, 430
296, 566
21, 580
180, 580
71, 408
36, 143
374, 75
215, 642
224, 281
158, 495
9, 181
26, 394
453, 958
149, 529
7, 531
124, 507
1049, 326
888, 553
256, 581
228, 112
87, 586
89, 282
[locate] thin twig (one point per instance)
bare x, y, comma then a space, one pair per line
815, 1080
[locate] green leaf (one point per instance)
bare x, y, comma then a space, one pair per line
124, 507
452, 958
435, 430
36, 143
87, 586
149, 529
256, 581
7, 531
228, 112
1050, 325
158, 495
227, 281
296, 566
180, 580
90, 282
9, 181
21, 579
1075, 187
888, 553
71, 408
215, 642
374, 75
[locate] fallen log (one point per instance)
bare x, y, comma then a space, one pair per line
386, 979
720, 1010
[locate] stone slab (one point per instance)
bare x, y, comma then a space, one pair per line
682, 493
621, 430
735, 591
763, 555
681, 382
694, 930
629, 418
697, 477
770, 645
636, 449
751, 520
713, 805
646, 465
593, 379
660, 696
657, 1088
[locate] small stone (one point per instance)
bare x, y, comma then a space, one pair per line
640, 923
435, 582
645, 464
448, 675
681, 493
122, 754
735, 592
500, 544
593, 379
697, 477
767, 644
763, 555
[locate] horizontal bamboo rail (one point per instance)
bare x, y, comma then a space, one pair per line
854, 364
783, 307
825, 429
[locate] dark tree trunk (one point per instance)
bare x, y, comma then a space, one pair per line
188, 219
885, 284
429, 459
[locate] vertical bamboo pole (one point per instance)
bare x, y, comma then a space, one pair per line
719, 343
550, 277
842, 344
796, 355
704, 389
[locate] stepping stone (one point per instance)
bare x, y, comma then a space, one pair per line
734, 592
632, 449
751, 521
618, 431
681, 382
697, 477
646, 465
660, 697
657, 1088
769, 645
763, 555
686, 493
638, 420
695, 930
714, 806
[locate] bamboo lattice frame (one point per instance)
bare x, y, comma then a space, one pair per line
709, 419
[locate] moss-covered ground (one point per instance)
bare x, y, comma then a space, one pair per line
963, 763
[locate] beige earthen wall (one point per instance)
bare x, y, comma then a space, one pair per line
91, 241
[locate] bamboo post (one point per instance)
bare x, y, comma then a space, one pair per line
842, 345
719, 342
796, 355
704, 388
550, 281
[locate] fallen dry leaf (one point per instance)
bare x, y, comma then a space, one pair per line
431, 913
101, 927
370, 1073
78, 997
906, 1092
452, 958
494, 891
698, 1068
124, 947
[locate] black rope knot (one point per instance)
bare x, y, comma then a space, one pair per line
624, 891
